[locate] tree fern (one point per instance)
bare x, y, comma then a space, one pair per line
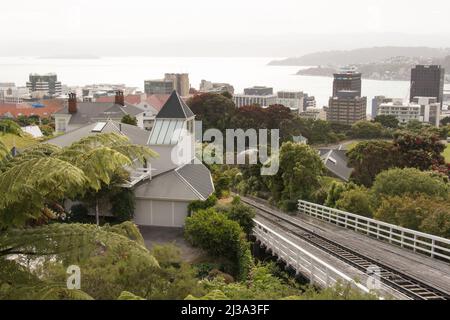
32, 183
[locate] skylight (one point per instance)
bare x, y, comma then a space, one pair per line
99, 127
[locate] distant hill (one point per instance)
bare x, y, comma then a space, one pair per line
362, 56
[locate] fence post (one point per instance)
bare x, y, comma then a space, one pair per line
432, 248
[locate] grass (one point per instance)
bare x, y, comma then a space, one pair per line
11, 140
447, 153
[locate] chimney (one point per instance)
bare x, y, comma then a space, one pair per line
72, 103
119, 99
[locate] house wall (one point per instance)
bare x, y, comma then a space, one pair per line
161, 213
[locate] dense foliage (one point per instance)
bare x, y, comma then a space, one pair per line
43, 175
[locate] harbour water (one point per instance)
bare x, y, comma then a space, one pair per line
240, 72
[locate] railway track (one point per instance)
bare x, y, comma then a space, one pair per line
407, 285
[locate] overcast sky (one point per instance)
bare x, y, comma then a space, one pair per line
50, 19
270, 28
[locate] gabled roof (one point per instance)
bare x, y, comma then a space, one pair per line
198, 176
88, 112
175, 108
190, 182
135, 134
336, 162
157, 101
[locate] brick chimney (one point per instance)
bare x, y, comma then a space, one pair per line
72, 103
119, 99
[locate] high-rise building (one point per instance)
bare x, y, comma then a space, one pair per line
346, 106
47, 84
347, 81
427, 81
180, 82
159, 86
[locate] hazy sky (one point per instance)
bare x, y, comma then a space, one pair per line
90, 19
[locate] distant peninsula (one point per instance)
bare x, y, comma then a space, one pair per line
379, 63
362, 56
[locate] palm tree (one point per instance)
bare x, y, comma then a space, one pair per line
44, 174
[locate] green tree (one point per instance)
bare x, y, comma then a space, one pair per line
4, 152
445, 121
110, 262
369, 158
367, 130
422, 213
419, 150
9, 126
335, 191
414, 125
43, 175
387, 121
300, 168
214, 110
127, 119
398, 182
123, 204
357, 201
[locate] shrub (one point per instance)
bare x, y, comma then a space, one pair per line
243, 215
197, 205
220, 237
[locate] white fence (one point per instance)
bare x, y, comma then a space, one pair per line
317, 270
417, 241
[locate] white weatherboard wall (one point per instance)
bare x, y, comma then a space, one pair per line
160, 213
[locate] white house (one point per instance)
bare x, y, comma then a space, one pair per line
176, 177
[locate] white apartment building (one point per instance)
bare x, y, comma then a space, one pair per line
10, 94
404, 112
430, 110
241, 100
291, 99
314, 114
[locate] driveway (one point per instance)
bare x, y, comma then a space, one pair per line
165, 235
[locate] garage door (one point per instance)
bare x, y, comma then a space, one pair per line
160, 213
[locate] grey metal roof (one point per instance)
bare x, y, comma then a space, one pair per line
167, 186
175, 108
189, 182
199, 177
336, 162
88, 112
135, 134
